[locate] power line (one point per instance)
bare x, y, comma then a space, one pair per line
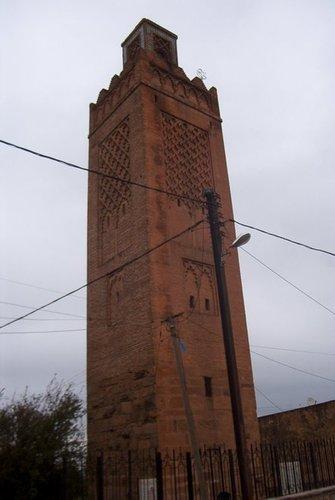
264, 408
110, 273
251, 345
75, 376
159, 190
43, 331
274, 360
38, 287
97, 172
113, 324
45, 310
289, 282
283, 238
202, 326
292, 350
45, 319
293, 367
268, 399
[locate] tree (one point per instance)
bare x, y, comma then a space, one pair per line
42, 445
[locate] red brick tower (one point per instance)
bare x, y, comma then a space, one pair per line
155, 126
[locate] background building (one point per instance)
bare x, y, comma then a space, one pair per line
316, 421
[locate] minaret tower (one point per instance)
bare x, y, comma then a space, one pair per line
155, 126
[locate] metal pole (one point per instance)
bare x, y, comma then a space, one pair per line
188, 411
100, 477
159, 476
228, 339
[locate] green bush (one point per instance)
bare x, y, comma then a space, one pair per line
42, 450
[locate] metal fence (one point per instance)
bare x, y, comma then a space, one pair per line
276, 470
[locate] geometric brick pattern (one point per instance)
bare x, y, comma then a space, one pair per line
133, 47
162, 47
187, 159
114, 296
114, 160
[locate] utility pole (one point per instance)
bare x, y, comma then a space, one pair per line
187, 407
228, 339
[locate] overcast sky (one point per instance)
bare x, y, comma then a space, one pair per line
272, 62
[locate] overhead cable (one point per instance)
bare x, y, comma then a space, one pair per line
38, 287
45, 319
97, 172
268, 399
288, 282
293, 367
271, 359
45, 310
283, 238
292, 350
43, 331
110, 273
159, 190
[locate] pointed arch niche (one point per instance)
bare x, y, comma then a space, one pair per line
199, 287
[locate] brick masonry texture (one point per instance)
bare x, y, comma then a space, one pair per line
156, 126
308, 423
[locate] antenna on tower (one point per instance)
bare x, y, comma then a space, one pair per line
201, 74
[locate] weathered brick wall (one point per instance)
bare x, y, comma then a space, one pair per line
170, 137
177, 123
309, 423
120, 348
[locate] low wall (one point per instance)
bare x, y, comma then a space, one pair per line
307, 424
320, 494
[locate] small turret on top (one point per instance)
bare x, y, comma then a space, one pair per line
150, 36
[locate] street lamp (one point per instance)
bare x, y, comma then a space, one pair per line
241, 240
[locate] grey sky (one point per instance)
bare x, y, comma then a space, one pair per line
273, 65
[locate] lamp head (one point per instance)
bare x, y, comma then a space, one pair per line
241, 240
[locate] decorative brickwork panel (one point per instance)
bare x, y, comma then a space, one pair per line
199, 284
114, 196
187, 159
114, 297
162, 47
133, 47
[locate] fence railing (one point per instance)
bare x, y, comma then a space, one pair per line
276, 470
